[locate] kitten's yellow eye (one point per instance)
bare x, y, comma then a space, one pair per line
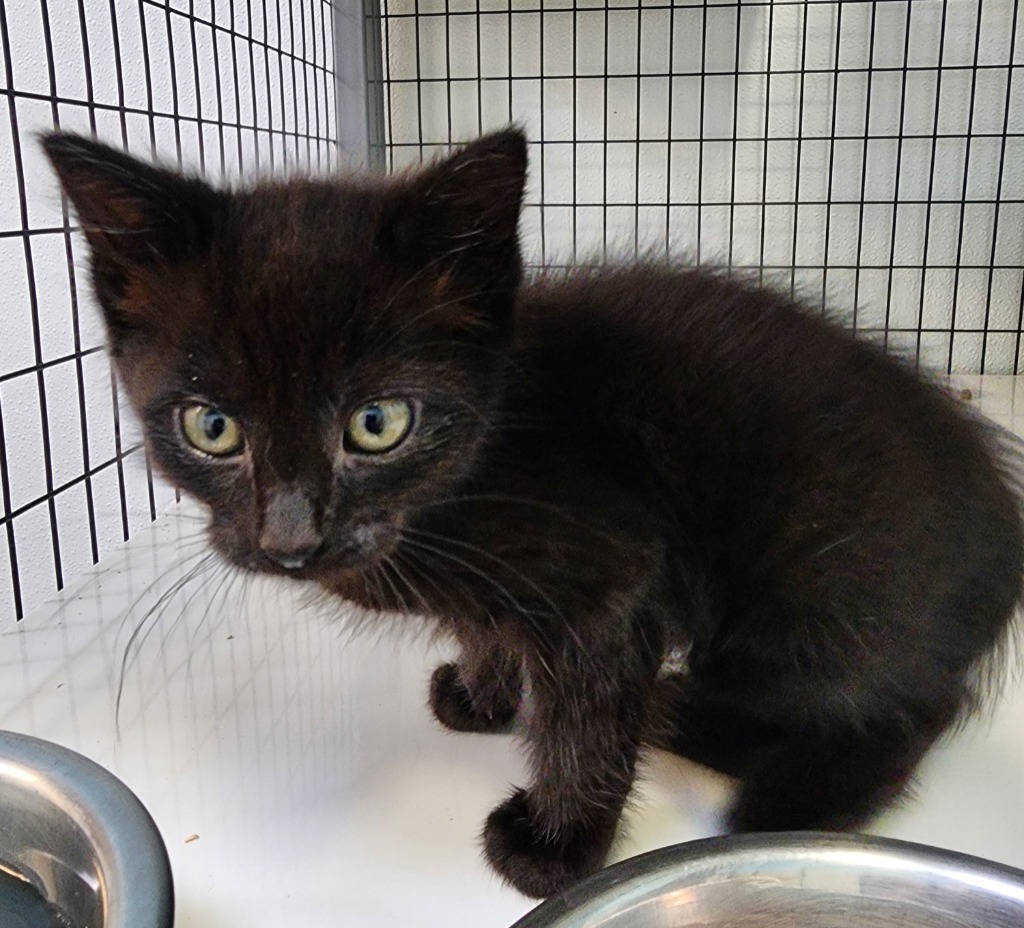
209, 430
379, 426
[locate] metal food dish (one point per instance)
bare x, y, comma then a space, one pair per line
799, 880
80, 836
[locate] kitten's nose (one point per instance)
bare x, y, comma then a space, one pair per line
290, 536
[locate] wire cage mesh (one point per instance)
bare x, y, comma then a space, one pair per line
222, 88
868, 154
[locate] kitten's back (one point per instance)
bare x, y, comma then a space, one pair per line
807, 470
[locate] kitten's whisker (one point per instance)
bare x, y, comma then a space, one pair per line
836, 544
180, 541
377, 593
473, 569
407, 558
227, 573
480, 415
512, 602
501, 562
221, 572
182, 515
410, 557
135, 643
399, 598
392, 562
154, 584
248, 582
176, 588
190, 544
186, 606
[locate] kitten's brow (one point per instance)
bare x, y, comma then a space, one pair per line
429, 266
436, 307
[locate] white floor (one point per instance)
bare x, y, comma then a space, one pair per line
298, 778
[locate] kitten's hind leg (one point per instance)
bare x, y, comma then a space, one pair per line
708, 732
479, 693
827, 781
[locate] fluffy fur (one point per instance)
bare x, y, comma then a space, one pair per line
605, 466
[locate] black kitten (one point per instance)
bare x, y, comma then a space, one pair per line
574, 476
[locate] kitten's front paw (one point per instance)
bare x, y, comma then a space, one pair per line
453, 706
534, 864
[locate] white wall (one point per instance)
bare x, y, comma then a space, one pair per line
278, 71
885, 97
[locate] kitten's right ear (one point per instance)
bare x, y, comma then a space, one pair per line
134, 215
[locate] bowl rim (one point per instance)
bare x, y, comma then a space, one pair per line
129, 850
587, 898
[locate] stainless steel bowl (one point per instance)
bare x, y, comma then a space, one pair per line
799, 880
80, 836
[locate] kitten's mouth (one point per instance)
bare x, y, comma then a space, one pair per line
364, 548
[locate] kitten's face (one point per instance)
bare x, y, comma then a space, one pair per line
315, 361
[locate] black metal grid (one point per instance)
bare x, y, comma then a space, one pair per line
863, 152
225, 87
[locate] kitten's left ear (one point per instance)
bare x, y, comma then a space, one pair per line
462, 215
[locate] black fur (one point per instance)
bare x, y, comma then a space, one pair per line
606, 466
